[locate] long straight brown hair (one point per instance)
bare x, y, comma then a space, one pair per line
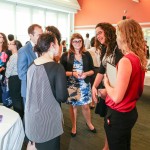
76, 36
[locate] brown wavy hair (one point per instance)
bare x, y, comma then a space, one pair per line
132, 39
5, 44
76, 36
110, 36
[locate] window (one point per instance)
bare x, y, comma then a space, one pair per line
7, 25
38, 16
23, 21
20, 17
51, 18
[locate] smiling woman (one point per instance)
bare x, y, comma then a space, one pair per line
78, 65
4, 56
13, 79
106, 43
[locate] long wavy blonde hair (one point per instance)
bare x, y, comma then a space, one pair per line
131, 39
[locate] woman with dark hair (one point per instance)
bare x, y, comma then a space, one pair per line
46, 89
53, 29
4, 56
14, 82
79, 67
3, 52
106, 42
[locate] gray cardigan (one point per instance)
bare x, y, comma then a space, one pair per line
43, 115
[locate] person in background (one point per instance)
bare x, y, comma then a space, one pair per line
26, 56
14, 82
106, 42
10, 37
53, 29
78, 64
121, 99
146, 50
87, 41
4, 56
95, 53
46, 89
63, 43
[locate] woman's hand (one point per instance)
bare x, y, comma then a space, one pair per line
75, 74
94, 94
82, 75
1, 69
102, 93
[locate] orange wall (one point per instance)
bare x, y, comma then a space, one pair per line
95, 11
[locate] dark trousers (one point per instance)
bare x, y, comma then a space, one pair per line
14, 84
118, 128
53, 144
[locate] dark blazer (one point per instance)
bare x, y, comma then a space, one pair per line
67, 62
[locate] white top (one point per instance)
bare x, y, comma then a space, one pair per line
87, 43
147, 78
95, 56
11, 130
11, 68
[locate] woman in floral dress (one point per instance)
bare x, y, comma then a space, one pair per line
78, 64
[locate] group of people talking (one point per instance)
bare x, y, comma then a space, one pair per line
46, 76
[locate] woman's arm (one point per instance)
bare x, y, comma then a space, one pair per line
63, 60
96, 83
123, 77
61, 85
87, 65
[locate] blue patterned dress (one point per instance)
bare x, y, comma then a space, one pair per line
83, 87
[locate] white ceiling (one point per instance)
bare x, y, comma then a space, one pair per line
60, 5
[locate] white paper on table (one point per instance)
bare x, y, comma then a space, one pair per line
111, 73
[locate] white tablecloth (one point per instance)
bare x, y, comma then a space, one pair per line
147, 78
11, 130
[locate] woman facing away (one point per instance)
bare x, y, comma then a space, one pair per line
13, 79
121, 99
46, 89
53, 29
79, 67
106, 42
